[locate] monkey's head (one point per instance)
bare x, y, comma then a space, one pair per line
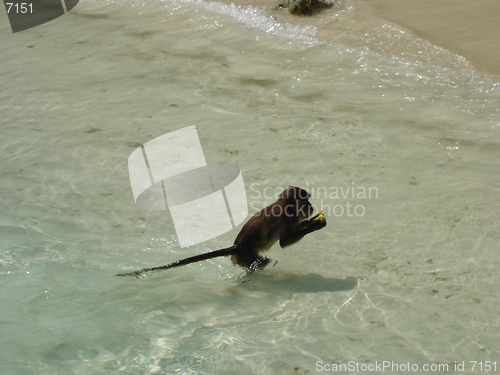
297, 203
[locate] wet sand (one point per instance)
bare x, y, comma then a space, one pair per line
468, 28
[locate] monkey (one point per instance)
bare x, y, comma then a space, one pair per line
287, 220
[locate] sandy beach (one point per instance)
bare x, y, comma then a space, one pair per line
468, 28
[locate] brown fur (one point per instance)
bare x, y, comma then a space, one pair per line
286, 220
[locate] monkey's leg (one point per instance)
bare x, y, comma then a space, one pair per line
259, 264
307, 226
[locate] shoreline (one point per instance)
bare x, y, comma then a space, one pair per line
469, 29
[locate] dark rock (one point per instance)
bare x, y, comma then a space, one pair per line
305, 7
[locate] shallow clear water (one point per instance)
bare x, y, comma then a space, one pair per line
408, 274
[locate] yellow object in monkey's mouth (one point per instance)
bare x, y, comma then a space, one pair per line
320, 217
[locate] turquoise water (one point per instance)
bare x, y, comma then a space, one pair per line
408, 274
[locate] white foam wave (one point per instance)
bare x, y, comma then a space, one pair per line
257, 18
250, 16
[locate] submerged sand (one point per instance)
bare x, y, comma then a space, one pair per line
468, 28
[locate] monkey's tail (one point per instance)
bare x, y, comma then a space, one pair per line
197, 258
